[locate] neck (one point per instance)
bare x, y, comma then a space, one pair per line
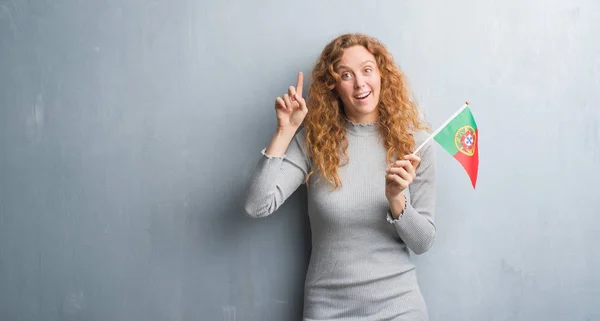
361, 129
363, 119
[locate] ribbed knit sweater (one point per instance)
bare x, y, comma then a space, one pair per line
360, 267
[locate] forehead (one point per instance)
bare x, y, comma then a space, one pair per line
355, 56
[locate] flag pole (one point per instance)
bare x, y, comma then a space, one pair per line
441, 127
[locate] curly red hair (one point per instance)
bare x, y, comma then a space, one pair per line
325, 123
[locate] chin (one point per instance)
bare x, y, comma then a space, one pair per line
365, 111
362, 109
366, 108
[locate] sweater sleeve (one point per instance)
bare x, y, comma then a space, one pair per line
416, 226
275, 178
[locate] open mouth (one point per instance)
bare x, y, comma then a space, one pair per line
363, 95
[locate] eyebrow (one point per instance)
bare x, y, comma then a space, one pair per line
362, 64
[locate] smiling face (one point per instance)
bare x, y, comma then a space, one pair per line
360, 84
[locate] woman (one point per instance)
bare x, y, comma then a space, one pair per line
370, 200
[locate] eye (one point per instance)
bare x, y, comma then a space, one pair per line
368, 70
346, 75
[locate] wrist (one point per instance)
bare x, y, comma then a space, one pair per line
280, 141
397, 205
287, 130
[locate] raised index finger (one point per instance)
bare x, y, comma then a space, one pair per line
299, 85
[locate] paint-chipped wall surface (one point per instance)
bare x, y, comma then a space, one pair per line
129, 129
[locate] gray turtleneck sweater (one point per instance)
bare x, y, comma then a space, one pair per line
360, 267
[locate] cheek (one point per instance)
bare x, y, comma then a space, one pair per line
376, 85
344, 90
377, 82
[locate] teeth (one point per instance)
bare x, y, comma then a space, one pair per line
363, 95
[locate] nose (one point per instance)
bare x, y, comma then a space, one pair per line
359, 81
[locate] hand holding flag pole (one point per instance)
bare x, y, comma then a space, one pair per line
459, 137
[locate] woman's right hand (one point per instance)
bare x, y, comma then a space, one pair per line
291, 109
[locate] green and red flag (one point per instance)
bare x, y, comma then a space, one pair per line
459, 137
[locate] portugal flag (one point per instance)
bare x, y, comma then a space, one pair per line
459, 137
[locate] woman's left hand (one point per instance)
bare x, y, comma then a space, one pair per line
400, 174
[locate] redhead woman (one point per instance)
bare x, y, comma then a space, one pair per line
370, 199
